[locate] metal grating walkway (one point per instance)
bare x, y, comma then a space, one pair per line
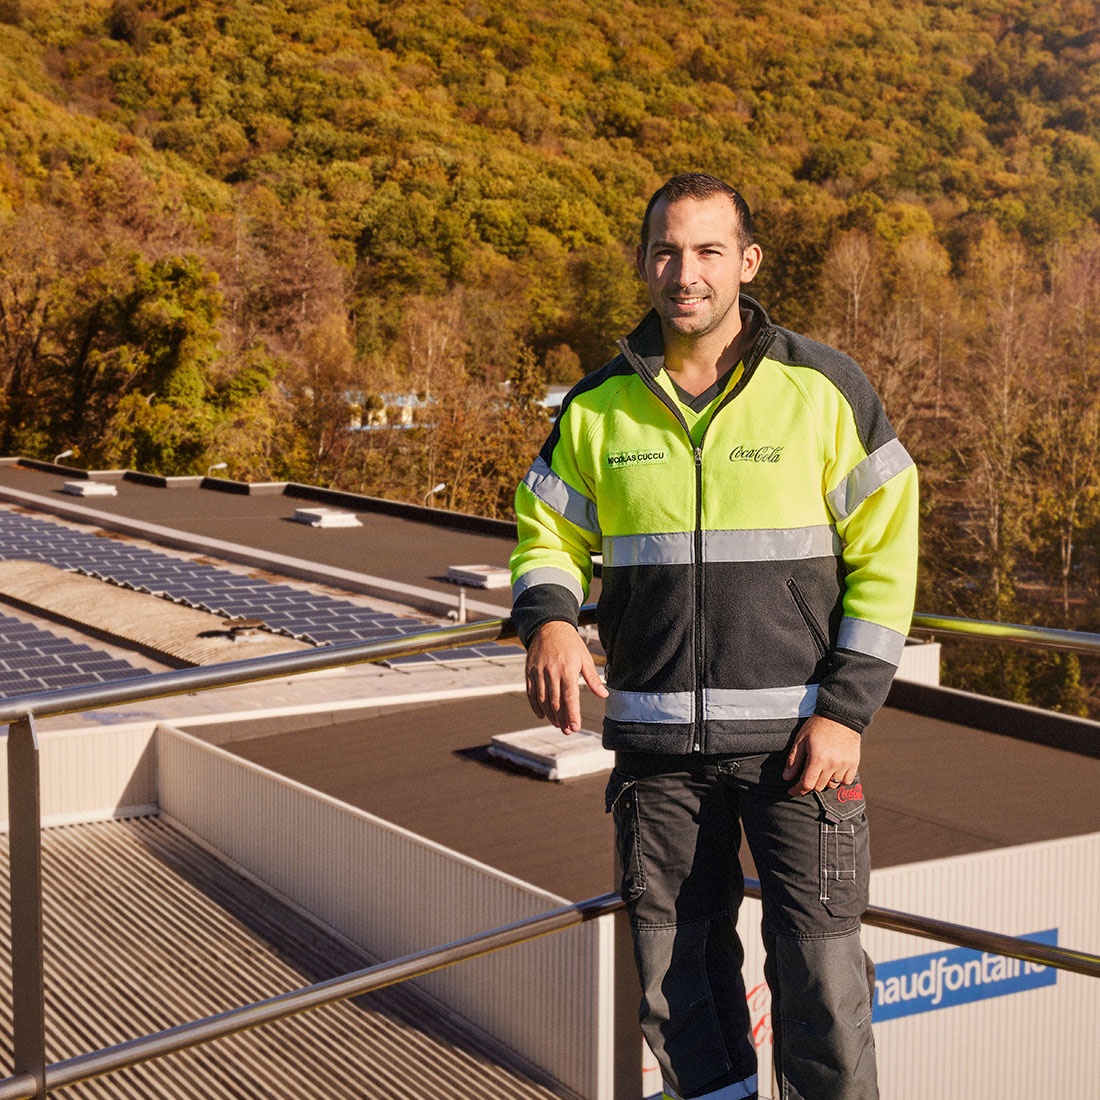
146, 930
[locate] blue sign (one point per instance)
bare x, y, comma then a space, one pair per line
925, 983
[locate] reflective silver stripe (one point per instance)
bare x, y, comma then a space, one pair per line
562, 497
863, 637
547, 574
739, 704
778, 544
763, 544
672, 549
871, 474
740, 1090
719, 704
642, 706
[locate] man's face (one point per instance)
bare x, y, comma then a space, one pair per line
694, 265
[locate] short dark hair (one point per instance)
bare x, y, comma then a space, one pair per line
699, 185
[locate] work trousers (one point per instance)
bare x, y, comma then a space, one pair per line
678, 823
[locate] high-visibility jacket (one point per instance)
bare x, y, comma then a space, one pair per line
761, 576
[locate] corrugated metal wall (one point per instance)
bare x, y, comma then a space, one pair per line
394, 893
1014, 1046
920, 662
95, 773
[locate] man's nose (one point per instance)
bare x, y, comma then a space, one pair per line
686, 270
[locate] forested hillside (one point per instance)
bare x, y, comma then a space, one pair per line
227, 230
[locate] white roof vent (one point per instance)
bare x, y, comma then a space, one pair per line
480, 576
552, 754
89, 489
325, 517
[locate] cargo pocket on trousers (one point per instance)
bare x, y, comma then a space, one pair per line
620, 800
843, 856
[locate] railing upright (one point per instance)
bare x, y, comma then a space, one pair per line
25, 862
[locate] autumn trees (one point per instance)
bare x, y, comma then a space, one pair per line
231, 230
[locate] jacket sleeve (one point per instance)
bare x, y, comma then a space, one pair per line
874, 506
559, 531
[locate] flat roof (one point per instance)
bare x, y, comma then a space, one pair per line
399, 549
933, 789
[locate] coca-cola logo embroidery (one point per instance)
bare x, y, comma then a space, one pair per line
850, 794
760, 453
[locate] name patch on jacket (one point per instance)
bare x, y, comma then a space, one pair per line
619, 460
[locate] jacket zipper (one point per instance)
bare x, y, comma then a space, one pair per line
763, 340
697, 734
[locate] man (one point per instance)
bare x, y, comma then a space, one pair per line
757, 520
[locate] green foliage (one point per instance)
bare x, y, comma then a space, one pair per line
11, 12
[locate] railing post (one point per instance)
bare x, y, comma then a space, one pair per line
628, 1035
25, 860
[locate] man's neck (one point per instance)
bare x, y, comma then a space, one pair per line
697, 364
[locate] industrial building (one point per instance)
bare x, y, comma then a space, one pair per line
205, 851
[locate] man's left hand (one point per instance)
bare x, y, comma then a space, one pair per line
824, 754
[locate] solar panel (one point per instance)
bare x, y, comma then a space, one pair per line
110, 675
73, 679
30, 660
284, 608
106, 664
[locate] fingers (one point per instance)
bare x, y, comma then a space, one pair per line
795, 758
825, 755
557, 698
592, 677
556, 661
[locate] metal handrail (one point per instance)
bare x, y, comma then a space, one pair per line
183, 681
976, 630
197, 1032
186, 680
33, 1077
370, 980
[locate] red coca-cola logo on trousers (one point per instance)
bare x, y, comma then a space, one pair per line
850, 794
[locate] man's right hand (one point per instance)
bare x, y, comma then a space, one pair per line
556, 658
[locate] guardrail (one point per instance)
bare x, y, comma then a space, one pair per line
33, 1077
1037, 637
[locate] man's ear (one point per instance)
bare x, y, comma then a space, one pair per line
639, 262
750, 263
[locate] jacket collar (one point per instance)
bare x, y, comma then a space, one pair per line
644, 348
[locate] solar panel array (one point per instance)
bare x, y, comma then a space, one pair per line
314, 618
33, 660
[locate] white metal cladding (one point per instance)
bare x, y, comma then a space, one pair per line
920, 663
90, 774
393, 893
139, 937
1042, 1042
1015, 1047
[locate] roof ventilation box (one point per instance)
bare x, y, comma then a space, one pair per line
89, 489
325, 517
552, 754
480, 576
